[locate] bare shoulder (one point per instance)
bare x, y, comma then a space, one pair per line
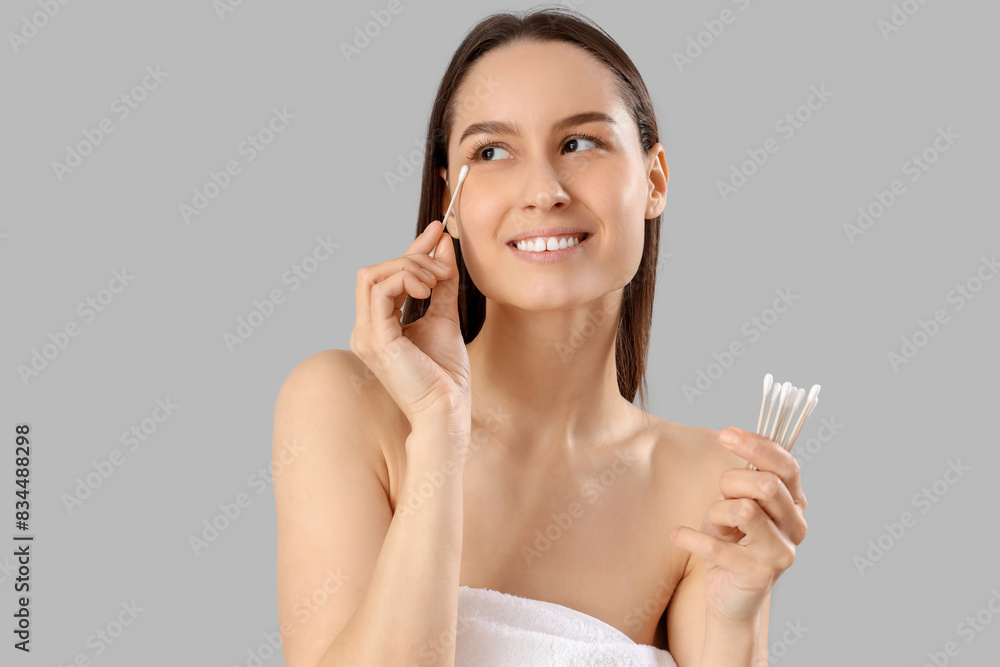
334, 378
694, 447
339, 368
690, 460
700, 443
336, 383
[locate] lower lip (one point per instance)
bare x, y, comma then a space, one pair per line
549, 256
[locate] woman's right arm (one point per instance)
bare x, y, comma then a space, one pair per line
396, 593
357, 585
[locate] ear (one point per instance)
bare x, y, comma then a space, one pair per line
658, 175
452, 226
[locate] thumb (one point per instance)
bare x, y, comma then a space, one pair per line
444, 296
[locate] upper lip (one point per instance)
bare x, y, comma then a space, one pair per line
546, 232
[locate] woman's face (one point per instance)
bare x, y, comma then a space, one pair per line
548, 176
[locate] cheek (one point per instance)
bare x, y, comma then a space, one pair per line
477, 199
476, 210
627, 213
624, 215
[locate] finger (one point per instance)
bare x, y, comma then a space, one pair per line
746, 515
426, 239
388, 296
439, 269
445, 301
712, 549
370, 276
771, 494
768, 455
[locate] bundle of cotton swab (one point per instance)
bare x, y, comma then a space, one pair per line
461, 179
784, 401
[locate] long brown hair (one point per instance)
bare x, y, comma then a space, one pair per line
546, 24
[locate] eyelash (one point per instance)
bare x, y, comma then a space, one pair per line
478, 148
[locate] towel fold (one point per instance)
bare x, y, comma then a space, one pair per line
498, 629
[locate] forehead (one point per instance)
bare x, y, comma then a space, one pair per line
534, 83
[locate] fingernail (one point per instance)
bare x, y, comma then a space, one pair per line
729, 437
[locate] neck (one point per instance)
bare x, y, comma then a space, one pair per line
545, 384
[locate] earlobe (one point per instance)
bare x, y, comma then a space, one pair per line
657, 178
452, 226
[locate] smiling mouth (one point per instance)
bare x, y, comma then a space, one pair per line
543, 244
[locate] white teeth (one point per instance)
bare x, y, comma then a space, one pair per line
541, 244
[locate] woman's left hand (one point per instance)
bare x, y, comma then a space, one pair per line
749, 534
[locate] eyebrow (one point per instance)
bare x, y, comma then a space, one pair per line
510, 129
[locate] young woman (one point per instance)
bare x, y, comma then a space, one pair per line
484, 436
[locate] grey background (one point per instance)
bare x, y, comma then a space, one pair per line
324, 176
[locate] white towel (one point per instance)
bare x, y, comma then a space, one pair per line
498, 630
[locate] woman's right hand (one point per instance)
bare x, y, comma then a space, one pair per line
424, 366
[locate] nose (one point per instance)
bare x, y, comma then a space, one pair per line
542, 187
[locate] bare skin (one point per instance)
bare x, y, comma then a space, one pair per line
615, 562
566, 417
550, 432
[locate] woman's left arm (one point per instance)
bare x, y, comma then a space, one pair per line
747, 540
